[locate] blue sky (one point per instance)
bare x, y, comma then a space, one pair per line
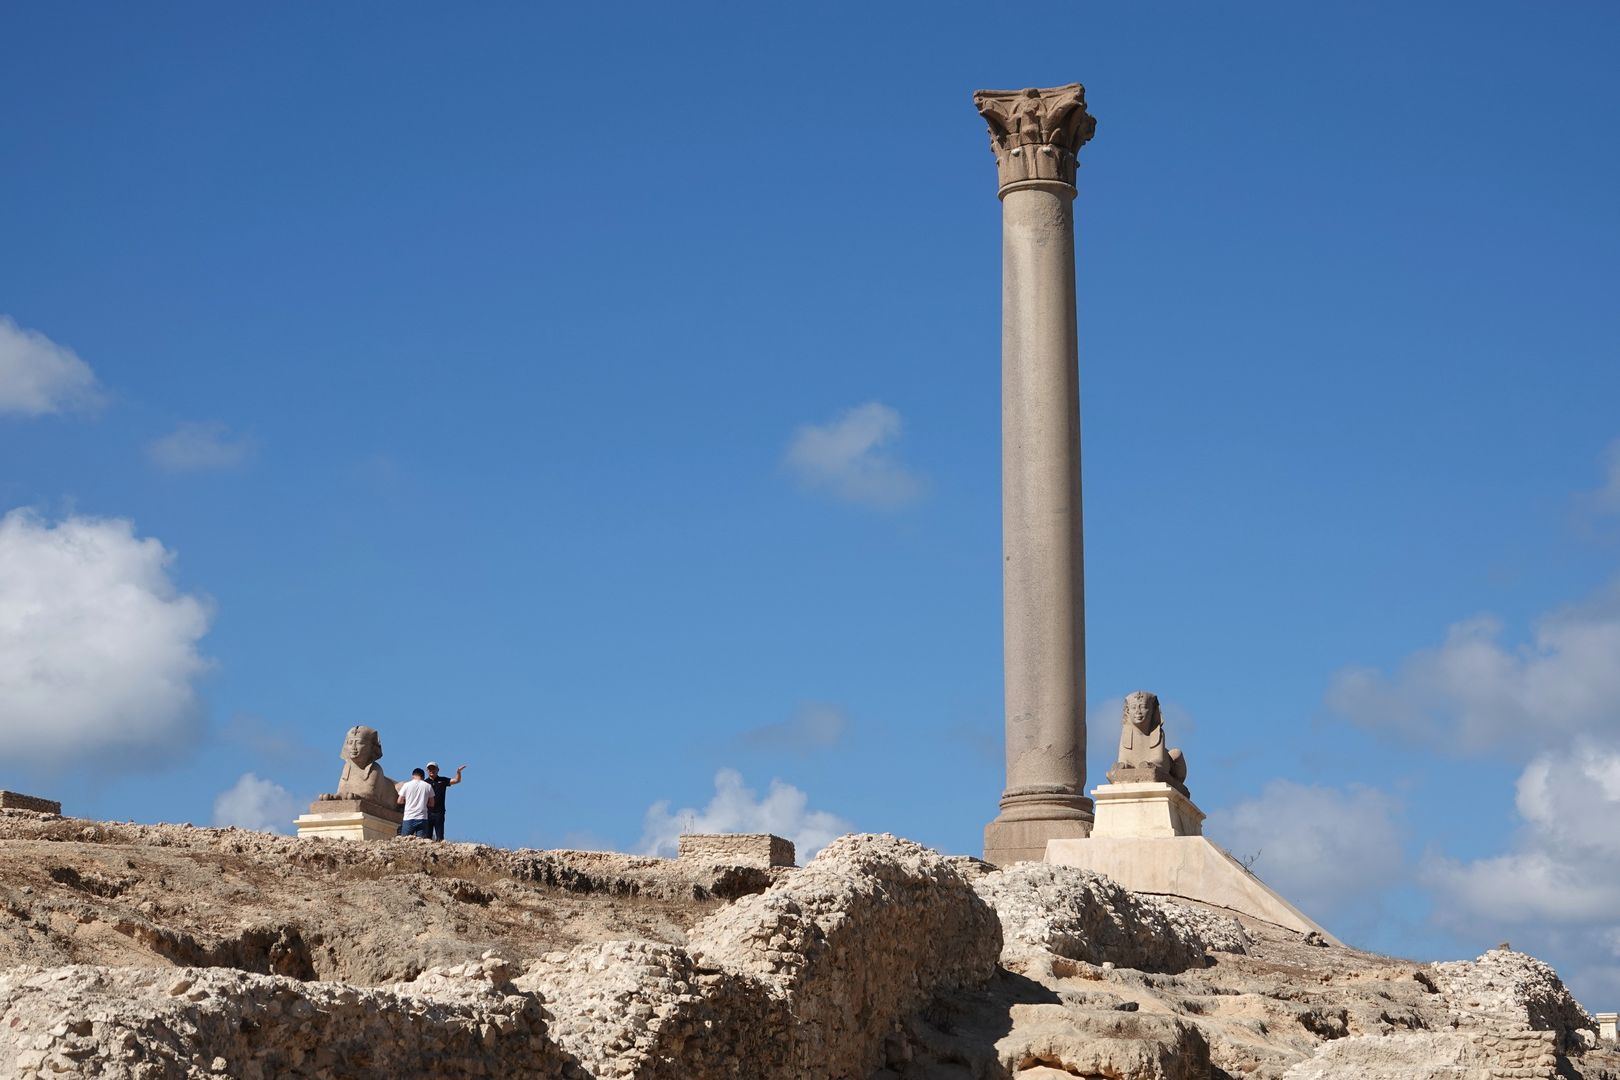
607, 399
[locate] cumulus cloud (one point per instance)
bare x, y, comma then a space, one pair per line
199, 446
1564, 866
1556, 889
846, 458
812, 727
252, 803
1472, 693
1328, 850
784, 811
38, 376
98, 649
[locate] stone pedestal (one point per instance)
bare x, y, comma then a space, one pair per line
1035, 135
1008, 842
1606, 1025
349, 819
1145, 810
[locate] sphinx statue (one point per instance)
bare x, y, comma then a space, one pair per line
1143, 755
362, 777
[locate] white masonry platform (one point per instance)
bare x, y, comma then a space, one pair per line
346, 825
1145, 810
349, 820
1148, 837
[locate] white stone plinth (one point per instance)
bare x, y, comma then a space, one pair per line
1606, 1025
1187, 866
1144, 810
347, 825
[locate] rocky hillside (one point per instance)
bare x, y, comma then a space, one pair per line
166, 951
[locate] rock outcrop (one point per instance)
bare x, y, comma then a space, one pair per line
170, 952
806, 979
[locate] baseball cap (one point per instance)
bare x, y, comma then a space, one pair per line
433, 765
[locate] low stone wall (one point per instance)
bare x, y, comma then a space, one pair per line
13, 800
738, 849
1505, 991
1434, 1055
144, 1024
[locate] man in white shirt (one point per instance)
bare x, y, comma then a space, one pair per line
416, 796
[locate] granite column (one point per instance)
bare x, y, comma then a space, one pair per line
1036, 135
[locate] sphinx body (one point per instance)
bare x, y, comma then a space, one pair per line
362, 777
1143, 755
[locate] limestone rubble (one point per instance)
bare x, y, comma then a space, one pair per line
150, 952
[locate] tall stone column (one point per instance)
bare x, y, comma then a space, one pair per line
1035, 135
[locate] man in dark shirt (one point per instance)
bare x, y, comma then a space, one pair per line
441, 784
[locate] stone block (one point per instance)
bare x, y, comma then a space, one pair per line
15, 800
737, 849
1606, 1025
1145, 810
1008, 842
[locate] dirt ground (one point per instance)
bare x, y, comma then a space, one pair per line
74, 891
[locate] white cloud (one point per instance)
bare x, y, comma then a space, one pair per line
1556, 890
812, 727
1565, 863
38, 376
98, 649
784, 811
199, 446
1471, 693
252, 803
1327, 850
846, 458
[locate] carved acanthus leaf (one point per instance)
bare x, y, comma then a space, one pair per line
1034, 133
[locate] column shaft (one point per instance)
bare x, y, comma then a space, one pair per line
1043, 577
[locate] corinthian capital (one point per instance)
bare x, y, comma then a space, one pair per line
1036, 133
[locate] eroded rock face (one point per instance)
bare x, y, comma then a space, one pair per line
145, 1024
636, 1008
878, 961
1511, 990
806, 979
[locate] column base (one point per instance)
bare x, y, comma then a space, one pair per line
1024, 839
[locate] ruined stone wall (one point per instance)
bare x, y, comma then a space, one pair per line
12, 800
1507, 990
145, 1024
738, 849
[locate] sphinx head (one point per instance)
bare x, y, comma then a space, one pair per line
1142, 711
362, 745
